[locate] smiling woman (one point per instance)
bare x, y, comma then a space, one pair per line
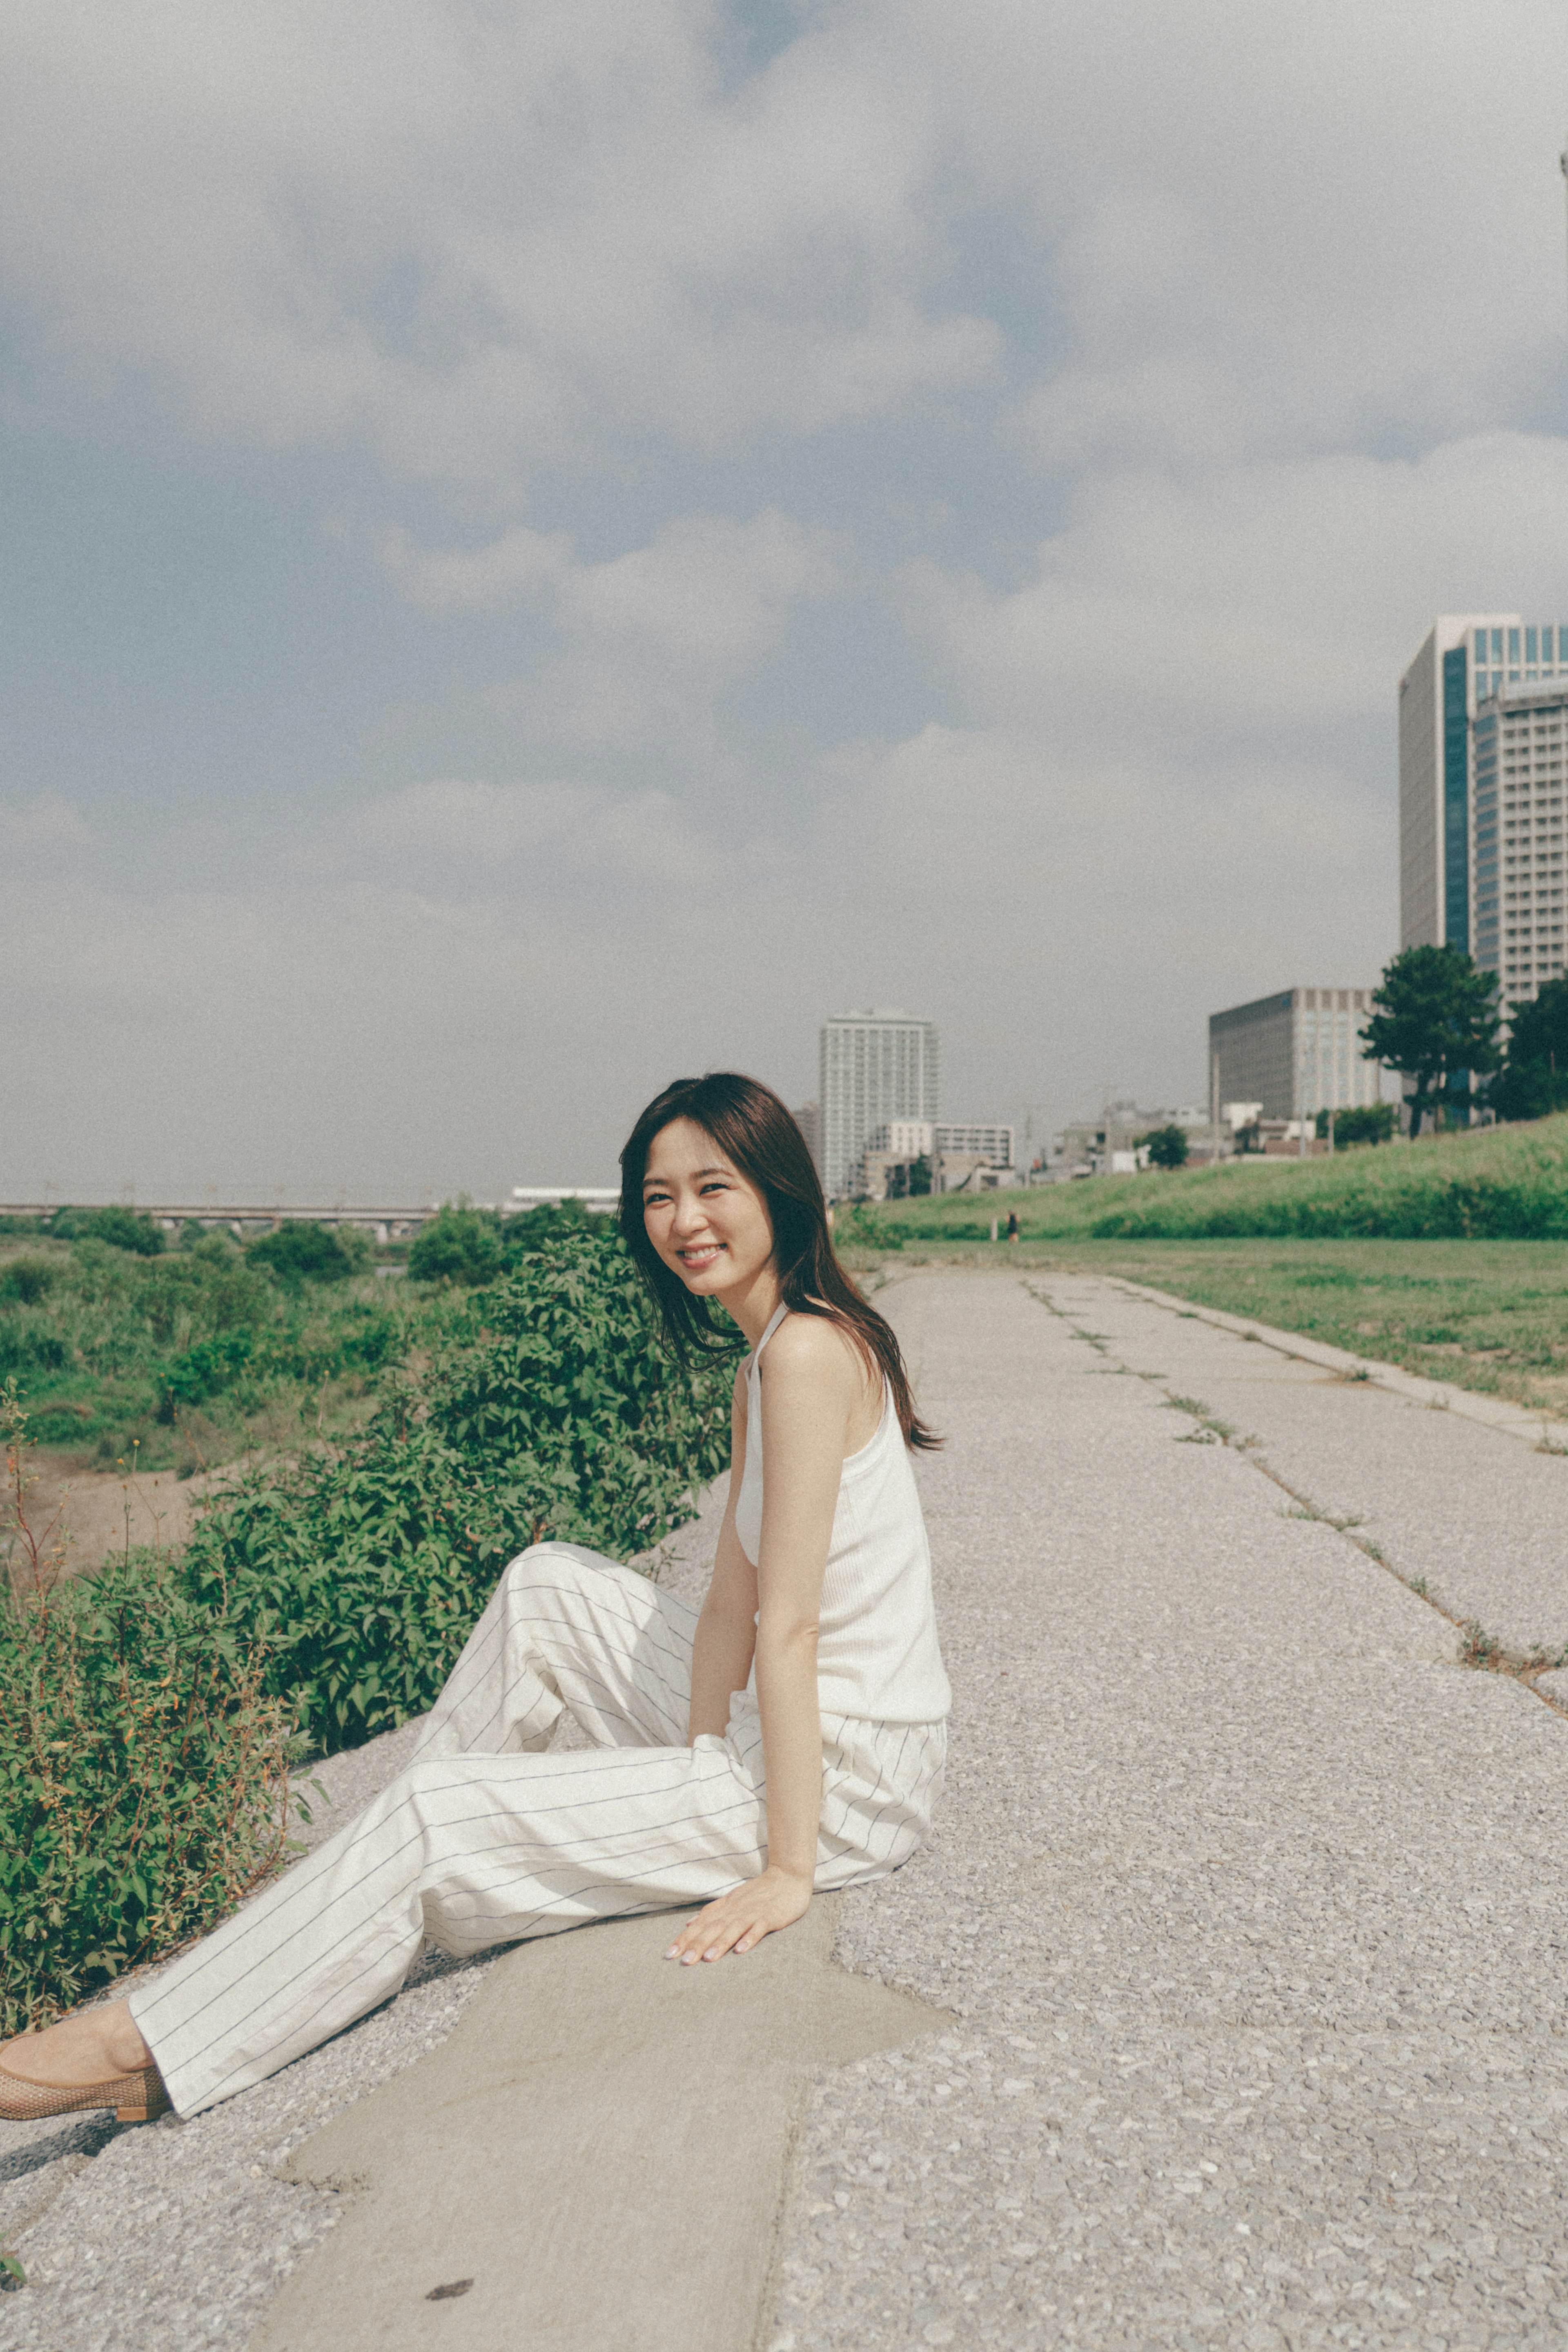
790, 1735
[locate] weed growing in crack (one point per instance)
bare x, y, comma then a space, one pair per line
1210, 1430
1342, 1526
1550, 1445
1483, 1651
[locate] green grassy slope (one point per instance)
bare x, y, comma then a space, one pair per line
1500, 1184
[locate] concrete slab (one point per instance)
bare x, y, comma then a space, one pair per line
1448, 1496
1246, 1895
594, 2161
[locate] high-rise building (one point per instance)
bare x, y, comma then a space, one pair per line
877, 1067
811, 1127
1296, 1053
1518, 800
1482, 712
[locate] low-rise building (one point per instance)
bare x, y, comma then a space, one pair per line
1295, 1053
961, 1155
1112, 1144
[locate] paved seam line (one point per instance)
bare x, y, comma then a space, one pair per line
1481, 1649
1439, 1396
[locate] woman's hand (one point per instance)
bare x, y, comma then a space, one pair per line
741, 1918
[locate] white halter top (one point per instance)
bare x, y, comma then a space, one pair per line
877, 1655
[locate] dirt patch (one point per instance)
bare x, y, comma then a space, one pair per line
91, 1515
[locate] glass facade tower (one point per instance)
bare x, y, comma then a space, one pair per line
1483, 710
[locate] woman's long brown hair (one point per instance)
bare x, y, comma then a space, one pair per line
758, 1136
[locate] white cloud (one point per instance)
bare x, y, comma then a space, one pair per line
1288, 595
519, 564
644, 641
472, 237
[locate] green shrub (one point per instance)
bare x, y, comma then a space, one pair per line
25, 1279
1168, 1146
860, 1227
122, 1228
561, 1386
551, 1411
143, 1779
304, 1251
460, 1245
1360, 1123
357, 1576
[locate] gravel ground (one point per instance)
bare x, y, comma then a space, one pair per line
1246, 1897
176, 2235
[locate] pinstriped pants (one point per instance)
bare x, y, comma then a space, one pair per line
485, 1839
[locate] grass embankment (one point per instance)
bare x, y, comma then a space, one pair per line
1365, 1251
1507, 1184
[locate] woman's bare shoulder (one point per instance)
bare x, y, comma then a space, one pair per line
811, 1347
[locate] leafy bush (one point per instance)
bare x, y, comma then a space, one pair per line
460, 1244
303, 1252
25, 1279
1360, 1123
1168, 1146
143, 1779
561, 1386
1533, 1080
551, 1411
356, 1577
860, 1227
144, 1774
122, 1228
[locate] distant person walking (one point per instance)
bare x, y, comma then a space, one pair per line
789, 1735
1012, 1225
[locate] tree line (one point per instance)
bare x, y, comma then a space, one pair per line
1438, 1022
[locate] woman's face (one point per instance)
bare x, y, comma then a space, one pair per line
706, 1220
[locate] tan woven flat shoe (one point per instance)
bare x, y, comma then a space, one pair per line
136, 2098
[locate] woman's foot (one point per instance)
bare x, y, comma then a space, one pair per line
95, 2058
91, 2045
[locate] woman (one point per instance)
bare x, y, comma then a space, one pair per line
791, 1735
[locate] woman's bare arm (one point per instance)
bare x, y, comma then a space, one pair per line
811, 1383
726, 1629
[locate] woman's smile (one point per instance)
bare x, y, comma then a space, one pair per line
707, 1220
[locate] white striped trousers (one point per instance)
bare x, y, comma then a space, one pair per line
485, 1839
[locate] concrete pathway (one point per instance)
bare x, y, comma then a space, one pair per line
1247, 1897
1243, 1918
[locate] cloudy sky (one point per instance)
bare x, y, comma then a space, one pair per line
551, 545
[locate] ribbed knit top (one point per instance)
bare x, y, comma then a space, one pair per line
877, 1655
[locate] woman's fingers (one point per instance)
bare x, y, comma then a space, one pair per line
719, 1929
